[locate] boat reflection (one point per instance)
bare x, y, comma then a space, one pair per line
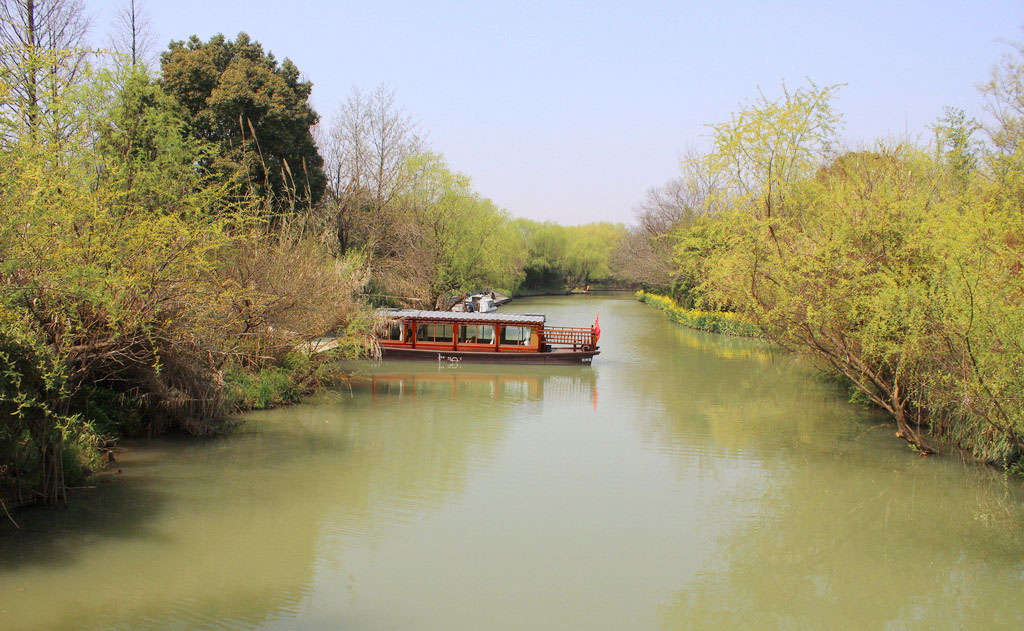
475, 384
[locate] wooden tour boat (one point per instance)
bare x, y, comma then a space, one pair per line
485, 337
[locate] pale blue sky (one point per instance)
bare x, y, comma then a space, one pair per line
570, 111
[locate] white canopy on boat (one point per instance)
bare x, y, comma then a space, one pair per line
462, 316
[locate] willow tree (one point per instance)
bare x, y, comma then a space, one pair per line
758, 158
468, 241
544, 245
981, 376
833, 259
588, 258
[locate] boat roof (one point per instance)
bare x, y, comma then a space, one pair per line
463, 316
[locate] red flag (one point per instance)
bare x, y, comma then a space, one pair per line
597, 328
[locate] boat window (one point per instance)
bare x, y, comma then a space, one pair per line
476, 334
394, 331
515, 335
434, 332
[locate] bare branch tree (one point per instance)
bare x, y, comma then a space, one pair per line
132, 36
1004, 100
41, 55
647, 253
365, 152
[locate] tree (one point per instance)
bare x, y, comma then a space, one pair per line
836, 261
695, 245
130, 281
146, 153
469, 242
255, 110
366, 150
41, 59
852, 290
955, 147
545, 246
1004, 94
132, 37
771, 144
589, 252
758, 158
648, 254
565, 257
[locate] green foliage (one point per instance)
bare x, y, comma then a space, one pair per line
956, 146
588, 254
770, 144
111, 414
545, 245
559, 258
697, 242
149, 158
41, 445
284, 382
842, 275
256, 112
470, 239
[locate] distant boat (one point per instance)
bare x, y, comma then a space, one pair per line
481, 337
499, 298
477, 303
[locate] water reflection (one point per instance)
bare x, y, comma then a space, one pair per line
477, 383
926, 546
237, 532
736, 396
831, 522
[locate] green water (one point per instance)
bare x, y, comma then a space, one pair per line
684, 481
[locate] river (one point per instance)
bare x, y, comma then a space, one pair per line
684, 481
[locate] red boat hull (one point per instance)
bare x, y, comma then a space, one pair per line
556, 356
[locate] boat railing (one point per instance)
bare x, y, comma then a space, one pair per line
576, 337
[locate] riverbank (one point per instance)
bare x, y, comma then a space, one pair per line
678, 466
939, 433
106, 418
722, 322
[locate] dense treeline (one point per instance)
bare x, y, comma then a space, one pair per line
175, 243
897, 267
559, 258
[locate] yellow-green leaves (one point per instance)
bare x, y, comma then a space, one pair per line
771, 144
898, 268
